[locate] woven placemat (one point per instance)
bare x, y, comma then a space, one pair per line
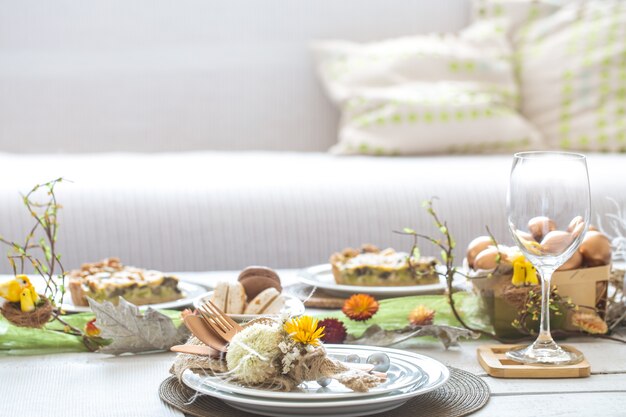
463, 394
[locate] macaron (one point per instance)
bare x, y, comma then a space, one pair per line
256, 279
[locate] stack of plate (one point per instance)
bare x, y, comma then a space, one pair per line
409, 375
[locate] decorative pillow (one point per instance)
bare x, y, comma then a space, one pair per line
426, 94
573, 76
519, 13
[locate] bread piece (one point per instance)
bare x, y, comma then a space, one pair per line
236, 299
276, 305
220, 296
261, 301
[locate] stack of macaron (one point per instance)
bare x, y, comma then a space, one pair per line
257, 291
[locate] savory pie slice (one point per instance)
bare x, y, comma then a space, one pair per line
373, 267
108, 280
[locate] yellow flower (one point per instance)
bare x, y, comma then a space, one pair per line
305, 330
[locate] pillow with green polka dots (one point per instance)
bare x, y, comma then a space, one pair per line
426, 94
572, 68
518, 13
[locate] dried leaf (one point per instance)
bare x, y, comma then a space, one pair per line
133, 331
377, 336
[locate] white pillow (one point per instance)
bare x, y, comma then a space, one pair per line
519, 13
573, 76
426, 94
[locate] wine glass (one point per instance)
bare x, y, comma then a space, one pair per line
548, 205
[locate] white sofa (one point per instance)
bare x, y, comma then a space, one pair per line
148, 107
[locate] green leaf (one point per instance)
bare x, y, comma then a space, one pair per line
443, 229
408, 230
444, 256
416, 253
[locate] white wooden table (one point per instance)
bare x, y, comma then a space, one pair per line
93, 385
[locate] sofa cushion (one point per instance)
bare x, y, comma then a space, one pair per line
573, 76
426, 94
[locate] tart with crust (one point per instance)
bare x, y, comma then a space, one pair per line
370, 266
110, 279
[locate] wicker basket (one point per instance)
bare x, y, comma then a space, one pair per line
501, 301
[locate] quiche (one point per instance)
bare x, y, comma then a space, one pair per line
370, 266
109, 279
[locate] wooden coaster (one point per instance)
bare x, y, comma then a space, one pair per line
493, 360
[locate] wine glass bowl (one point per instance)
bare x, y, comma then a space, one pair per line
548, 205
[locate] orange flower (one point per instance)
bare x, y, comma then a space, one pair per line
590, 323
421, 316
91, 329
360, 307
187, 312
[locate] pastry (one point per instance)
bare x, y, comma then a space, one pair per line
230, 298
269, 301
256, 279
110, 279
373, 267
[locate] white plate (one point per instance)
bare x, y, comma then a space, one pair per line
190, 292
293, 307
402, 373
321, 276
434, 374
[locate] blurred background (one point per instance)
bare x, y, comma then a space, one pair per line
196, 134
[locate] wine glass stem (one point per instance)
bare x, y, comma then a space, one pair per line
544, 330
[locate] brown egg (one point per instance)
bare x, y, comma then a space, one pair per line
524, 236
487, 259
540, 226
596, 249
574, 262
476, 246
592, 228
575, 221
576, 226
556, 242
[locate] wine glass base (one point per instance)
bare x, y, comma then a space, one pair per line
544, 354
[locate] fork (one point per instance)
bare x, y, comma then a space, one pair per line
218, 321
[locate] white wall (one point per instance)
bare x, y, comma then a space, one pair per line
156, 75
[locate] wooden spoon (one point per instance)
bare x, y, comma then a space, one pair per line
199, 329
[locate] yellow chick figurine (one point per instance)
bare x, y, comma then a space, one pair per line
523, 272
26, 301
11, 290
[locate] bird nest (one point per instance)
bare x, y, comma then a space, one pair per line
36, 318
